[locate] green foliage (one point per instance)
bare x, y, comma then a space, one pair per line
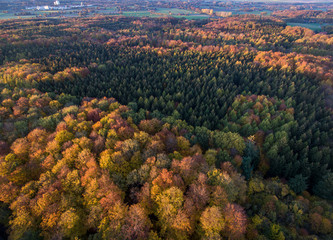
50, 122
324, 187
21, 128
4, 214
229, 140
63, 136
210, 156
250, 160
66, 99
298, 183
202, 136
222, 156
247, 168
276, 233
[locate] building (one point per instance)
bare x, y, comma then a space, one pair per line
39, 8
207, 11
223, 14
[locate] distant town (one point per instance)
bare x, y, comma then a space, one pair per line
57, 6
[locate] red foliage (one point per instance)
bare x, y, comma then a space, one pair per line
164, 179
236, 221
137, 223
303, 232
150, 126
93, 115
199, 194
23, 102
189, 167
99, 143
169, 139
315, 220
21, 148
4, 148
125, 132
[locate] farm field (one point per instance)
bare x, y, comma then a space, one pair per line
312, 26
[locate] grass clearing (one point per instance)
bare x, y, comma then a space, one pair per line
312, 26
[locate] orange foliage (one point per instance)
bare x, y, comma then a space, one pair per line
317, 66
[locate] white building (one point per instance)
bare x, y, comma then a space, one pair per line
42, 8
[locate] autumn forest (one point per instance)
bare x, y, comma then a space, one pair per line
117, 127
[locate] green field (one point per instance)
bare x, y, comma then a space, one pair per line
13, 16
138, 14
36, 14
181, 13
107, 10
195, 17
165, 12
7, 16
312, 26
253, 12
178, 13
174, 11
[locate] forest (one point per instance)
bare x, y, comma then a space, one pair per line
164, 128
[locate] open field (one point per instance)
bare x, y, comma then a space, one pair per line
253, 12
13, 16
312, 26
164, 12
174, 11
7, 16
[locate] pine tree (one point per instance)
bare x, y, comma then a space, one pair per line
298, 183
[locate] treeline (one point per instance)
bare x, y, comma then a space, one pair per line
306, 15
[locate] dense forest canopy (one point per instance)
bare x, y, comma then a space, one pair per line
141, 128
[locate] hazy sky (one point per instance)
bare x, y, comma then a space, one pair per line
289, 1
